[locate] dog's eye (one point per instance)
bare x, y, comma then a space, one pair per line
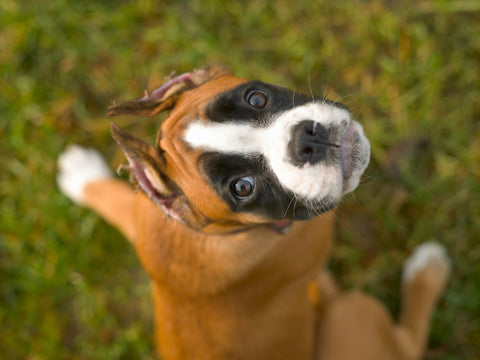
257, 99
242, 188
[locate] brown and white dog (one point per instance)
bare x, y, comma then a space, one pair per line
238, 168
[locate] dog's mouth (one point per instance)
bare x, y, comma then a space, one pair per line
354, 156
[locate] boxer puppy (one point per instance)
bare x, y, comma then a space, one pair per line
233, 223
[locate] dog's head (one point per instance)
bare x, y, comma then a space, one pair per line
233, 153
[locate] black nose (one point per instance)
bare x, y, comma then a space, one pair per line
310, 143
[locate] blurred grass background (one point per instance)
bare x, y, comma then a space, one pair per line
70, 285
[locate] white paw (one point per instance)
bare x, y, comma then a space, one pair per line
427, 255
78, 166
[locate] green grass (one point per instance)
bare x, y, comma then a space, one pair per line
71, 287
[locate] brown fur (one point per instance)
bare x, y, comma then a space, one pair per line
220, 293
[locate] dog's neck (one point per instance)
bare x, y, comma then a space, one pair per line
197, 263
211, 288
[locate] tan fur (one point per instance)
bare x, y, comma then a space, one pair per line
251, 294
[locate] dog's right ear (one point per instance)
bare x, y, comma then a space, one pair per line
165, 96
147, 168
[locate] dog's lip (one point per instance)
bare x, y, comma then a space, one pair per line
347, 149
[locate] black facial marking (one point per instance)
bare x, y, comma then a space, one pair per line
268, 199
257, 104
244, 104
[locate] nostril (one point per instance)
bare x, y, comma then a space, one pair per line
308, 151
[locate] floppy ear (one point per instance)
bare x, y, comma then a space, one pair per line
147, 166
166, 95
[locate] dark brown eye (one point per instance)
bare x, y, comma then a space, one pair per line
242, 188
257, 99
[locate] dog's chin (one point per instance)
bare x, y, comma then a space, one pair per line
355, 156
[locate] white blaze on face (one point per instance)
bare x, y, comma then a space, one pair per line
311, 182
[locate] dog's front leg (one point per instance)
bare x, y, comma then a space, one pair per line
84, 177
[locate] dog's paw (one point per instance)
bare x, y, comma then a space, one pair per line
78, 166
429, 264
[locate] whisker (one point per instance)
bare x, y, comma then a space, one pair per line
342, 98
310, 209
294, 205
290, 203
333, 215
366, 179
310, 84
314, 207
359, 204
325, 87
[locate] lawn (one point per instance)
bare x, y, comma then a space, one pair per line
71, 286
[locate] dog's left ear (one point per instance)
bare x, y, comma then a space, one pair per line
147, 171
165, 96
